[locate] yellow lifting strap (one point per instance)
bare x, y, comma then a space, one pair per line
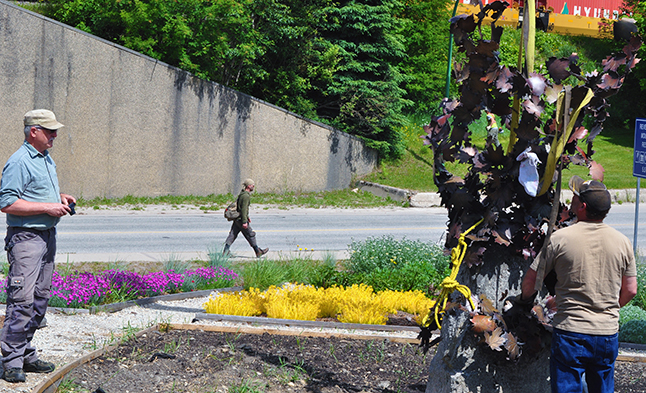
450, 284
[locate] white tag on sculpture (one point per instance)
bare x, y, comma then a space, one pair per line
528, 173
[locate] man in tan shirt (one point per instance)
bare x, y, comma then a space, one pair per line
596, 275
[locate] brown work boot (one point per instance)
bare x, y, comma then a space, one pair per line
260, 252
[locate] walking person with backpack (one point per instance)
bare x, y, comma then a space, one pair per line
242, 222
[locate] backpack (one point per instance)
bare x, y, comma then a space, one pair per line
231, 212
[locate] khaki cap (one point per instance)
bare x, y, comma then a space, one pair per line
248, 182
43, 118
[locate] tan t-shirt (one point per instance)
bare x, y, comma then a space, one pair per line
590, 260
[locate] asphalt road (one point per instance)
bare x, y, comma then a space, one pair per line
160, 235
185, 235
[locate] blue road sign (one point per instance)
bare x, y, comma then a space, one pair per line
639, 161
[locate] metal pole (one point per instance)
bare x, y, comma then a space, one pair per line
636, 218
448, 65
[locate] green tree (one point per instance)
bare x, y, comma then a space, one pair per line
294, 55
425, 25
631, 102
334, 62
215, 39
366, 95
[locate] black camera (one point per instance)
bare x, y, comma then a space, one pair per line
72, 206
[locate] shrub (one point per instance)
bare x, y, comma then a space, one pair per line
640, 299
356, 304
631, 313
633, 332
231, 304
406, 265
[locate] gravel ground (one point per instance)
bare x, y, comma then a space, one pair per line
68, 337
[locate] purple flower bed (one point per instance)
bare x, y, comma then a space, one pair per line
79, 290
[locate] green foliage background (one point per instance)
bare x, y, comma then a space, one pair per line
363, 66
358, 65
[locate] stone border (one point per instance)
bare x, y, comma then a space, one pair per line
637, 347
394, 193
114, 307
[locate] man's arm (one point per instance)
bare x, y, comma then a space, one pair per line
22, 207
529, 281
628, 290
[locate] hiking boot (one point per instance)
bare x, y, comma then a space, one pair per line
14, 375
39, 366
261, 252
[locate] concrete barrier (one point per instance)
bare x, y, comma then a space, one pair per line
137, 126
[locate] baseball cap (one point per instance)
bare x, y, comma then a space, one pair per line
248, 182
592, 192
43, 118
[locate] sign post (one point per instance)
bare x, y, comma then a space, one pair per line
639, 168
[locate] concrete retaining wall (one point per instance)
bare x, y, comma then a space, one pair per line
136, 126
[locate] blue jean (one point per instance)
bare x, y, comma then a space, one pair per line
576, 354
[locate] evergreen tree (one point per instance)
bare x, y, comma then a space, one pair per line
366, 95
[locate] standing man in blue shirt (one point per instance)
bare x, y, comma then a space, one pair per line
30, 197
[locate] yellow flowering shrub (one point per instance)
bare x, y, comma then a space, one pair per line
292, 301
232, 304
360, 305
414, 302
330, 301
356, 304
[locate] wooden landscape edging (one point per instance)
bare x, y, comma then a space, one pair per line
289, 332
299, 323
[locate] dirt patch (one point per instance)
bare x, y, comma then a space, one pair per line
199, 361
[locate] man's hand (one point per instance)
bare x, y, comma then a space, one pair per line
245, 225
56, 209
67, 199
521, 303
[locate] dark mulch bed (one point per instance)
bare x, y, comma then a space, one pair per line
199, 361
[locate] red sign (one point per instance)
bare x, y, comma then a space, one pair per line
608, 9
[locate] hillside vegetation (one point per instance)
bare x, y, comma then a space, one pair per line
375, 69
362, 66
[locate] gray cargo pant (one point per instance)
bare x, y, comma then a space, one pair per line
31, 264
249, 234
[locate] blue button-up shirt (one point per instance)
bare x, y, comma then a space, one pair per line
30, 175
